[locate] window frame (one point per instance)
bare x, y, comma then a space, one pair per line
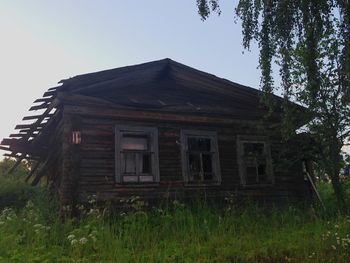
152, 133
212, 135
241, 139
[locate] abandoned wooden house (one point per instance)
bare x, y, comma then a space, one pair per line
156, 130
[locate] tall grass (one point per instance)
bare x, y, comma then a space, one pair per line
177, 234
33, 232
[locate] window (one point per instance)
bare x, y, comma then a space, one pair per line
254, 159
136, 154
200, 159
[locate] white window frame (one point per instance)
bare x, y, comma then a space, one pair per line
152, 134
241, 139
212, 135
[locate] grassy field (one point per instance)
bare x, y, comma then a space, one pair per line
180, 234
32, 232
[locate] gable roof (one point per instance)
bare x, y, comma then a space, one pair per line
167, 85
163, 85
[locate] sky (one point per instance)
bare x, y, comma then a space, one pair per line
44, 41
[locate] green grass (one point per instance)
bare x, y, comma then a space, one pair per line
327, 194
180, 234
14, 192
201, 233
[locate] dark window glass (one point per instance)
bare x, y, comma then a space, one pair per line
207, 163
199, 144
253, 149
208, 176
254, 160
261, 169
200, 159
194, 163
262, 173
251, 176
146, 163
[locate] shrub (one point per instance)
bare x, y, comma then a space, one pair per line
15, 193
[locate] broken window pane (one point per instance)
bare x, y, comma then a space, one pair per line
254, 161
200, 158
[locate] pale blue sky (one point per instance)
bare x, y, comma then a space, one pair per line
45, 41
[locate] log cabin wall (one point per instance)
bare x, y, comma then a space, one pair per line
171, 97
71, 158
93, 171
54, 172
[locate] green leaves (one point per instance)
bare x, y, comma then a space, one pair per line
310, 41
205, 7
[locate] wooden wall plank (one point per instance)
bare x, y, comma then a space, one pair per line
98, 165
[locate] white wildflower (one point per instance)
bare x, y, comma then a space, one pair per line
29, 204
71, 237
74, 242
334, 247
92, 199
83, 240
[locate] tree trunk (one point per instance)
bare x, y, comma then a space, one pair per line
338, 190
333, 170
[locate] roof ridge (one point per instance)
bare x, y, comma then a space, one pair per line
201, 72
158, 68
126, 68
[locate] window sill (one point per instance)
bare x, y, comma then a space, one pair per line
201, 184
137, 185
258, 185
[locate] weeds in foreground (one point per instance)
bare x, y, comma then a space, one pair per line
31, 231
177, 234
